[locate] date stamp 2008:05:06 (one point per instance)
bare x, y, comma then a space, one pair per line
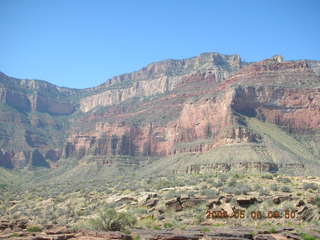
240, 214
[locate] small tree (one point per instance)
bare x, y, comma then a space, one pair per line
110, 220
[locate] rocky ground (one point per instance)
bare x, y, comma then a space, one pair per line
21, 229
202, 206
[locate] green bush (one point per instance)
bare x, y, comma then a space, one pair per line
284, 180
205, 229
217, 184
312, 186
15, 235
232, 183
168, 225
237, 189
274, 187
272, 230
34, 229
264, 192
306, 236
257, 187
231, 190
318, 201
267, 176
209, 193
285, 189
110, 220
172, 194
244, 189
223, 177
137, 237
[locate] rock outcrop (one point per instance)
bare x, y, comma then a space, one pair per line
167, 108
159, 78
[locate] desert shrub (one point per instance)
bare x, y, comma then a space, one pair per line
232, 183
236, 176
217, 184
287, 206
172, 194
285, 189
137, 237
231, 190
209, 193
203, 186
237, 189
192, 193
191, 182
15, 235
263, 192
168, 225
147, 222
312, 186
267, 176
34, 228
223, 178
317, 202
272, 230
257, 187
163, 184
110, 220
205, 229
284, 180
210, 180
274, 187
138, 211
243, 188
306, 236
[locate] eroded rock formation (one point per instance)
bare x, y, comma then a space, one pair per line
170, 107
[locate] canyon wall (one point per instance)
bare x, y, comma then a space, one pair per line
201, 100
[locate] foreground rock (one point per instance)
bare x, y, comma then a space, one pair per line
21, 229
235, 233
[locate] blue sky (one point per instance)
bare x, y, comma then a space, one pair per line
78, 43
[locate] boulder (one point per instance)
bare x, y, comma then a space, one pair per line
280, 199
300, 203
215, 202
152, 202
150, 196
246, 201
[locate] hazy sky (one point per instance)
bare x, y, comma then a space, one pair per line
82, 43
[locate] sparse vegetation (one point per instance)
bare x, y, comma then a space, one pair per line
34, 229
110, 220
306, 236
317, 202
274, 187
284, 180
285, 189
121, 204
313, 186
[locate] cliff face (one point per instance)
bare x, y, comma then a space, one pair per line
176, 106
159, 78
36, 96
297, 109
32, 121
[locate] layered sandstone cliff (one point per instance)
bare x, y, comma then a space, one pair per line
167, 108
161, 77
